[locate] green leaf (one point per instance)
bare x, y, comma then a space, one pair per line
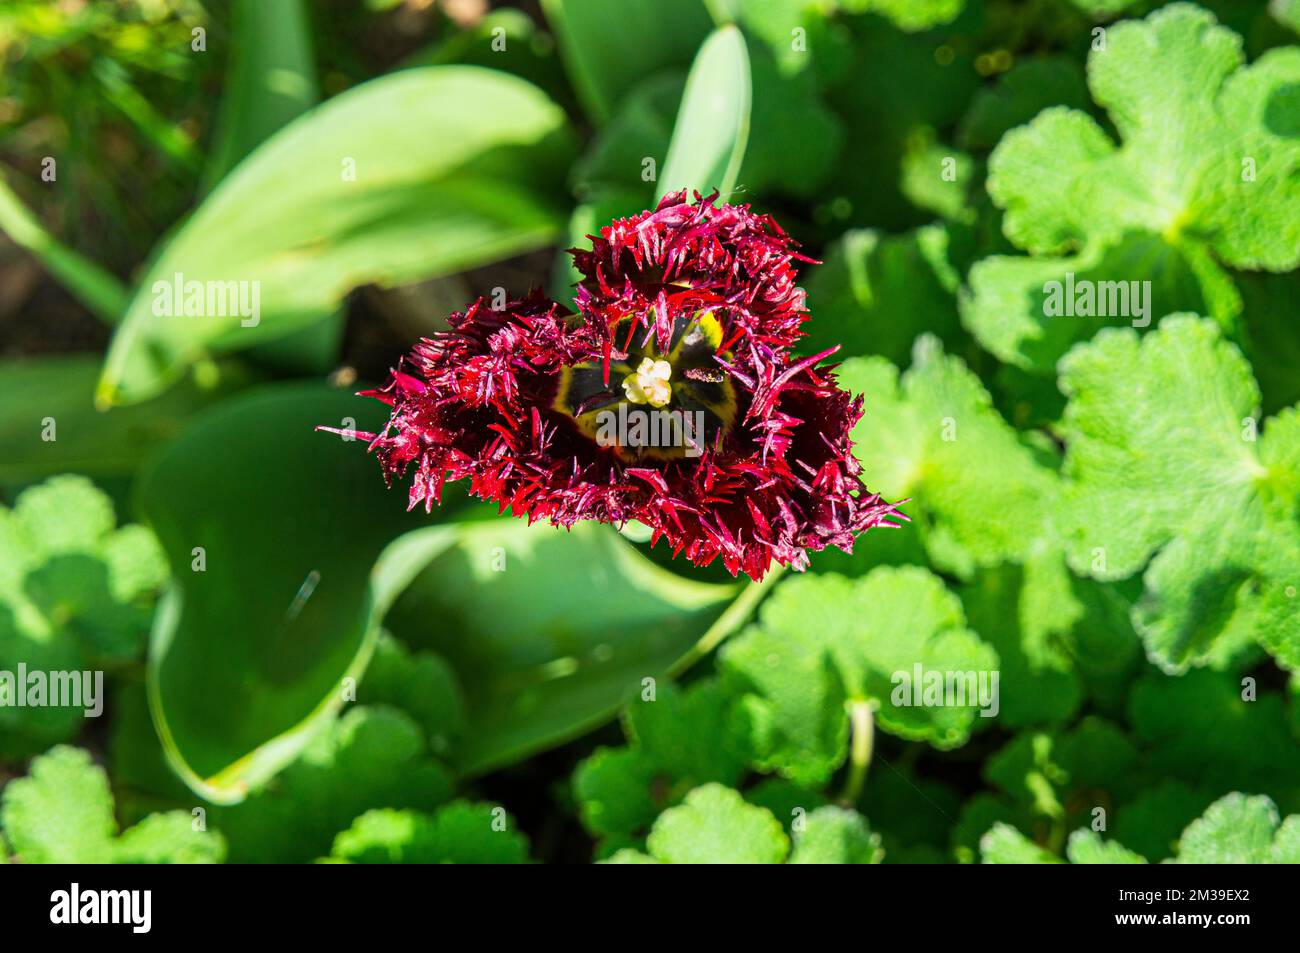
871, 632
689, 733
236, 684
1088, 847
1205, 175
1018, 95
615, 791
641, 129
1189, 114
834, 835
1166, 472
1201, 729
62, 813
716, 826
76, 595
1153, 820
459, 833
981, 495
1029, 311
1028, 615
271, 80
1003, 844
712, 128
792, 111
909, 15
936, 177
877, 293
35, 392
792, 702
1238, 829
371, 757
880, 122
421, 684
540, 659
677, 740
1287, 12
608, 49
351, 194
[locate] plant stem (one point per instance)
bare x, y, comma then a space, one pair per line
862, 730
728, 622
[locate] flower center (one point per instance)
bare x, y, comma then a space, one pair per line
680, 392
648, 384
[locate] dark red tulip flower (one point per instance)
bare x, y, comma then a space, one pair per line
672, 397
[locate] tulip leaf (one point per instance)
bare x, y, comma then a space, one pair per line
421, 173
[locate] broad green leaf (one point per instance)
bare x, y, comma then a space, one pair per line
1028, 615
1205, 174
615, 791
1199, 728
271, 80
640, 130
716, 826
1287, 12
609, 48
1003, 844
936, 177
1088, 847
417, 174
708, 144
76, 595
869, 635
298, 524
834, 835
1240, 830
792, 110
371, 757
677, 740
1190, 114
540, 658
1152, 821
420, 684
981, 495
1029, 311
459, 833
62, 813
882, 121
1169, 469
54, 397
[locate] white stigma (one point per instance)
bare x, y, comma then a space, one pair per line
649, 383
